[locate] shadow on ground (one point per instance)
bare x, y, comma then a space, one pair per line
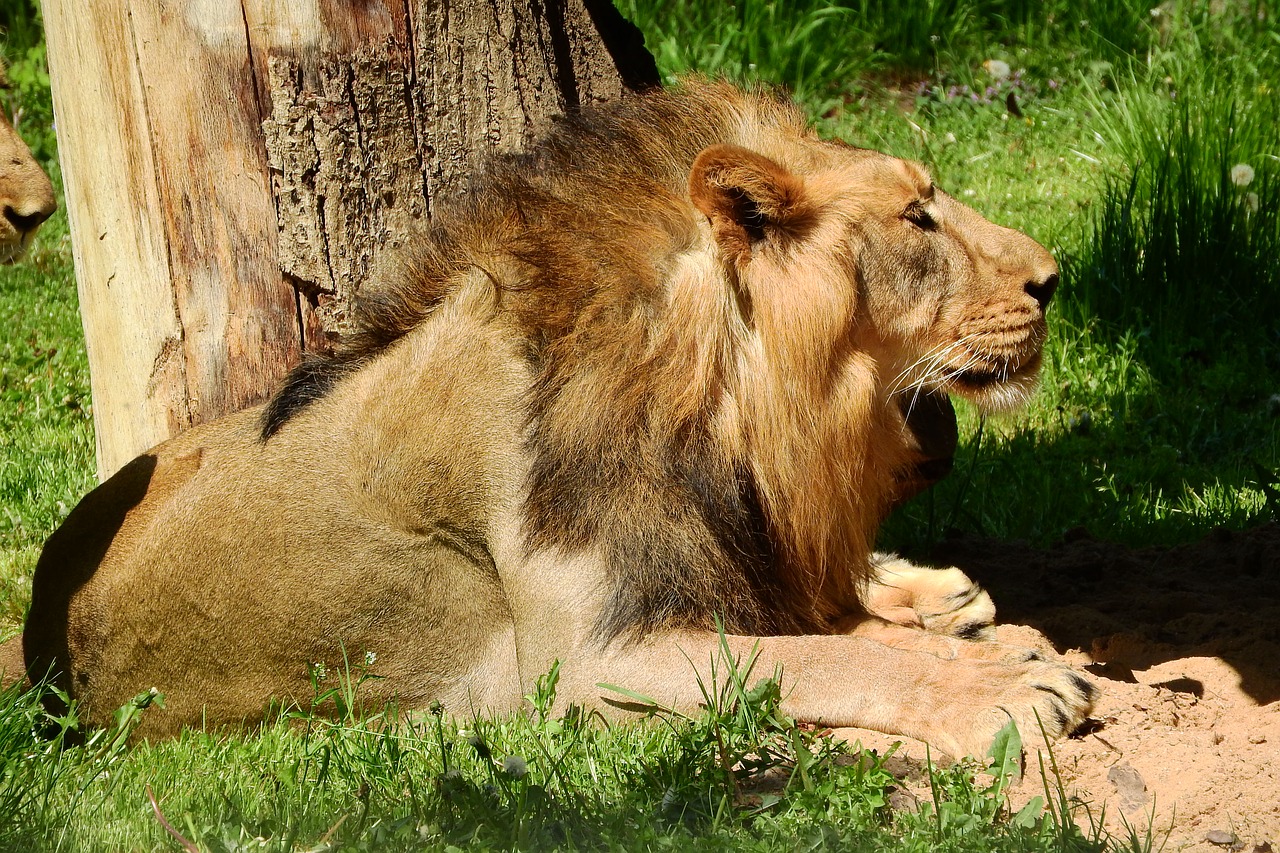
1133, 608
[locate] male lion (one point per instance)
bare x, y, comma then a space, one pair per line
645, 375
26, 196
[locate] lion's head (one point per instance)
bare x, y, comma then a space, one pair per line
944, 300
26, 196
957, 303
861, 287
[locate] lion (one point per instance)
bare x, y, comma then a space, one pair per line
646, 388
26, 195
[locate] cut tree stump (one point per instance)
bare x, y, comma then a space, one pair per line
236, 169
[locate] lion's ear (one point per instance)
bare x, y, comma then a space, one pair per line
747, 197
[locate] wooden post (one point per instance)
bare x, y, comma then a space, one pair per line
234, 169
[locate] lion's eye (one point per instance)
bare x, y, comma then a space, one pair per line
919, 217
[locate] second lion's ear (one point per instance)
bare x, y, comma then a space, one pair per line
748, 198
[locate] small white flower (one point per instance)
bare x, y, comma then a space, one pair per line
1242, 174
515, 766
318, 670
998, 69
970, 193
951, 139
370, 658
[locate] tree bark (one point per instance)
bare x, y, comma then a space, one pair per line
236, 169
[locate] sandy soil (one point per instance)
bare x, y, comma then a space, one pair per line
1185, 644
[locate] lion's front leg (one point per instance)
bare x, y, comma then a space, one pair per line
957, 705
941, 601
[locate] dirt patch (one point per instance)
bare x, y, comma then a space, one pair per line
1185, 644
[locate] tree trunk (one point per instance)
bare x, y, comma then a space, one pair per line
235, 169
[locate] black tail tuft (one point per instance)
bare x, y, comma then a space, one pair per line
305, 384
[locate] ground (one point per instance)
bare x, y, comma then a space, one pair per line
1185, 644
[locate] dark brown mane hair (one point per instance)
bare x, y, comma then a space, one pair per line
599, 176
579, 236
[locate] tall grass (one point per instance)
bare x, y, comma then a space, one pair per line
1183, 251
810, 46
1184, 245
46, 429
26, 99
46, 425
913, 36
817, 46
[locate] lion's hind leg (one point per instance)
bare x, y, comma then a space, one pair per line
942, 601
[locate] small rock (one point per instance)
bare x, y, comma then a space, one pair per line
1264, 847
1130, 785
902, 800
1077, 534
1220, 837
1257, 738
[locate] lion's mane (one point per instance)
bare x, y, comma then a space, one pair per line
587, 239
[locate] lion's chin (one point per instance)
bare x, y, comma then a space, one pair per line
996, 392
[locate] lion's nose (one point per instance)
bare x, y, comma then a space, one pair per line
24, 222
1042, 291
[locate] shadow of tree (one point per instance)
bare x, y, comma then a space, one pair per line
1162, 465
1132, 608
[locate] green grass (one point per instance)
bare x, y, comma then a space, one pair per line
1159, 420
740, 777
26, 101
46, 426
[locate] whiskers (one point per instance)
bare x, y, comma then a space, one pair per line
952, 360
935, 367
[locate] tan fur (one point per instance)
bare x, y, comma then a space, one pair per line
942, 601
26, 196
660, 370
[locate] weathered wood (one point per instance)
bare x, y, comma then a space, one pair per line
236, 169
121, 255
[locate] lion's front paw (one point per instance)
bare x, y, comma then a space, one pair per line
942, 601
1046, 699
